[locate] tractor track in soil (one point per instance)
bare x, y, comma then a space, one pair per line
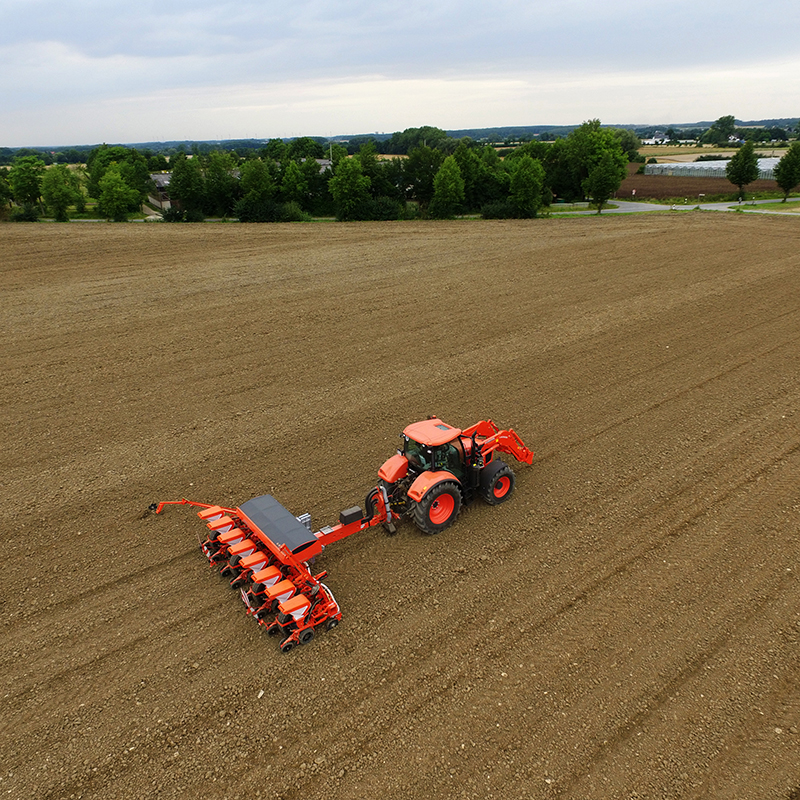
628, 625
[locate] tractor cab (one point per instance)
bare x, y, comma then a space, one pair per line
434, 445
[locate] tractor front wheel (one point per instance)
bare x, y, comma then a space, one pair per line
497, 486
439, 508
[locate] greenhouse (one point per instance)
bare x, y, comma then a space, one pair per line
708, 169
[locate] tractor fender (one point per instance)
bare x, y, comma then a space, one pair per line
394, 469
490, 470
427, 480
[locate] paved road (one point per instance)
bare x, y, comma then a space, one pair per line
630, 207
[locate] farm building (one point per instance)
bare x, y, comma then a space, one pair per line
708, 169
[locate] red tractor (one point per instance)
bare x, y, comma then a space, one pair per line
440, 468
266, 552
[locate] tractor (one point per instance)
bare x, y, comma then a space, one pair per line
266, 552
440, 468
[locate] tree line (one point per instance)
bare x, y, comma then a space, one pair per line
437, 177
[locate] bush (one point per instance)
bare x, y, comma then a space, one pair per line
194, 215
384, 208
500, 209
173, 214
251, 208
25, 213
291, 212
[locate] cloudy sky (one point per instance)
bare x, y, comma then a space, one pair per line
87, 71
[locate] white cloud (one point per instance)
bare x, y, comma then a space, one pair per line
155, 70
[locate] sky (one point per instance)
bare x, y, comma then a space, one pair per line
83, 71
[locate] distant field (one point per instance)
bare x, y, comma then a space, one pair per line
694, 190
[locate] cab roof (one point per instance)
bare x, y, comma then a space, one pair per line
431, 432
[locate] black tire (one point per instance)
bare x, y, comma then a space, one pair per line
287, 646
438, 508
306, 636
331, 624
497, 483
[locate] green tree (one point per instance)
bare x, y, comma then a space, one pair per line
629, 142
720, 132
257, 186
527, 185
448, 190
743, 167
337, 153
117, 199
305, 147
316, 182
604, 179
421, 167
404, 142
787, 170
294, 186
5, 188
586, 146
350, 190
276, 150
221, 185
25, 179
256, 179
60, 190
187, 184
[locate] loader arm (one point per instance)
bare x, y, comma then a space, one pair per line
491, 438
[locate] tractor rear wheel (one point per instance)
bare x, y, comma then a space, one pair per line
498, 486
439, 508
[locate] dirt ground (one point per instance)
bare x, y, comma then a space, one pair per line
626, 626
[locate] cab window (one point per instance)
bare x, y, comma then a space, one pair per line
417, 454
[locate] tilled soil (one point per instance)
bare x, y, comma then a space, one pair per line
626, 626
693, 190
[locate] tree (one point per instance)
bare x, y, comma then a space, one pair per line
629, 142
5, 188
60, 190
316, 182
220, 184
527, 184
721, 131
586, 146
294, 186
305, 147
787, 170
448, 190
350, 190
187, 185
25, 179
421, 167
117, 199
276, 150
255, 179
604, 179
743, 167
257, 187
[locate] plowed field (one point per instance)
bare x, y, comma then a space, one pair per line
693, 190
627, 625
